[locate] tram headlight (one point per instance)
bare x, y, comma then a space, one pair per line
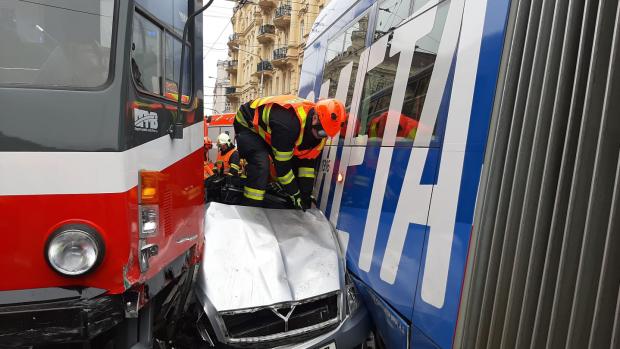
74, 250
149, 220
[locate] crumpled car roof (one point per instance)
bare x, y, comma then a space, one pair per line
256, 257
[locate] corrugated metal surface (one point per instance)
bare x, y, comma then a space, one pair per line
545, 271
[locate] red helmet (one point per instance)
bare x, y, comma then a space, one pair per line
208, 143
332, 114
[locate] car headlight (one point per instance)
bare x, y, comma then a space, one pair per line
74, 250
353, 297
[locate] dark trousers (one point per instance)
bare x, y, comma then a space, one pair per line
256, 152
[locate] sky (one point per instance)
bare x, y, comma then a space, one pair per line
216, 29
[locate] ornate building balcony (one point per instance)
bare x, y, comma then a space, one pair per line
232, 93
263, 68
231, 66
266, 33
280, 57
233, 41
282, 17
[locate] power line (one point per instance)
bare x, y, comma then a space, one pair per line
220, 35
283, 3
220, 46
223, 7
63, 8
286, 3
218, 38
219, 16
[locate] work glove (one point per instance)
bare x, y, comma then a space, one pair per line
275, 187
297, 202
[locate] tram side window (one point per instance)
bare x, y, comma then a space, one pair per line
173, 68
391, 14
379, 85
154, 73
171, 12
343, 49
146, 55
419, 4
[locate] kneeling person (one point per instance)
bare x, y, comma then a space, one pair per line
291, 130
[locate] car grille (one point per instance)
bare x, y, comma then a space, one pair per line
283, 321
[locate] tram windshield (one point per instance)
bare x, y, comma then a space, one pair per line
56, 44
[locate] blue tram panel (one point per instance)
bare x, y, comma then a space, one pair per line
400, 182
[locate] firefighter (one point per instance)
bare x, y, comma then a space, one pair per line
227, 157
407, 126
207, 165
291, 130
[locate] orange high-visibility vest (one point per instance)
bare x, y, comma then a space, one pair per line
223, 161
300, 106
407, 127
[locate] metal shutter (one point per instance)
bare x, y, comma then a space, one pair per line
545, 266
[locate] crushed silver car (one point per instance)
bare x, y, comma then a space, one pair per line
276, 278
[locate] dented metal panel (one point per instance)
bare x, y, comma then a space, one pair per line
258, 257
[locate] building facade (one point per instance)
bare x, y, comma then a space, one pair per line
220, 102
266, 47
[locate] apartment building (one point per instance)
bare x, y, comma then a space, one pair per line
220, 102
266, 47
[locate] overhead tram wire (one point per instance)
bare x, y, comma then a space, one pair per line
237, 8
218, 38
306, 11
62, 8
248, 2
290, 2
209, 44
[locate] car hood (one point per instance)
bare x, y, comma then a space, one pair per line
256, 257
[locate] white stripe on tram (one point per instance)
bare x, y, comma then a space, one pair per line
39, 173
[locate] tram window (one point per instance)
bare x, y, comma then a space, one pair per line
53, 46
342, 50
418, 4
173, 68
171, 12
391, 14
379, 83
146, 54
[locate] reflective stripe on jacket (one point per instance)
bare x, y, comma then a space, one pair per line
260, 123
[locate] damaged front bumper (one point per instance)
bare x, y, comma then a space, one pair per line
56, 315
350, 333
